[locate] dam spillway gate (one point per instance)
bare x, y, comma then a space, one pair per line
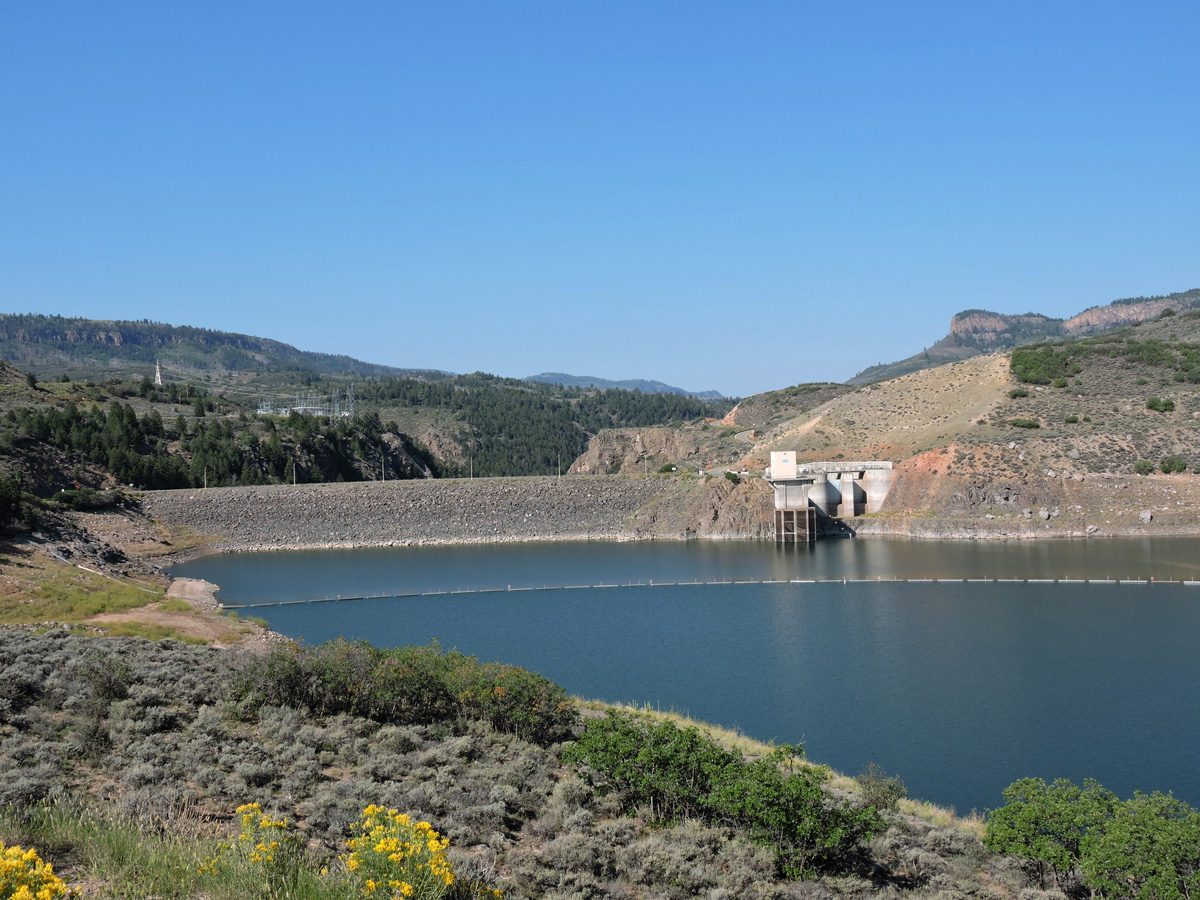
806, 492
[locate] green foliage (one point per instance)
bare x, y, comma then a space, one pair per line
732, 477
406, 686
1174, 464
879, 789
1149, 850
673, 771
1071, 420
1046, 824
1017, 393
1040, 365
85, 499
1025, 423
666, 469
1059, 383
517, 427
678, 772
1143, 467
11, 493
224, 452
1159, 404
267, 859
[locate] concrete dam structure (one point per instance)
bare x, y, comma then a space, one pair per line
840, 489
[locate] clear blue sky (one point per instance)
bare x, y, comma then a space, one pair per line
721, 196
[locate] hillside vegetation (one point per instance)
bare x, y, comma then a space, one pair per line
1114, 398
977, 331
157, 748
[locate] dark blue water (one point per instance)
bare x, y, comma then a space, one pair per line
960, 688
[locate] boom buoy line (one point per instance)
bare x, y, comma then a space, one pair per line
510, 589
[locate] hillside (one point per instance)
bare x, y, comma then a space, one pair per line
88, 348
629, 384
976, 331
474, 424
1090, 430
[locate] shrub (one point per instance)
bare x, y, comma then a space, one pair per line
1161, 404
406, 686
266, 859
1149, 848
24, 875
1059, 383
1040, 365
407, 859
879, 789
514, 700
1025, 423
1143, 467
1046, 824
733, 477
1072, 420
679, 772
1016, 393
1174, 464
11, 496
85, 499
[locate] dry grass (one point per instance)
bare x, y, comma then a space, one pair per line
37, 588
898, 418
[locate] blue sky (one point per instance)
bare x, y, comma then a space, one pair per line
722, 196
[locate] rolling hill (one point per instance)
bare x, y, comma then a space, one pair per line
977, 331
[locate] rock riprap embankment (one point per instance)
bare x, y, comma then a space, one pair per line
392, 513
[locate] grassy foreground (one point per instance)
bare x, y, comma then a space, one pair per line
123, 762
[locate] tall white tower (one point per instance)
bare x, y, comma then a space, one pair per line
157, 373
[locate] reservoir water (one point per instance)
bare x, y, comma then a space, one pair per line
960, 687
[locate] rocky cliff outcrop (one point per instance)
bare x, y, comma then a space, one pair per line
991, 331
1114, 315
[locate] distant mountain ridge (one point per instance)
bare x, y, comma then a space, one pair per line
977, 331
629, 384
49, 344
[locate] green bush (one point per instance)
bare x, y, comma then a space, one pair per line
1041, 365
11, 491
1015, 393
1174, 464
1161, 404
679, 772
1149, 848
1046, 824
1025, 423
1059, 383
405, 686
732, 477
1143, 467
880, 789
1072, 420
85, 499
